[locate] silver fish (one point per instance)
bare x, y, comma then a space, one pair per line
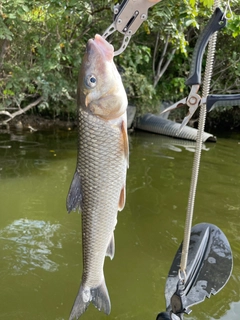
98, 186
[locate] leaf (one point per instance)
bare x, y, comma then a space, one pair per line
192, 3
8, 92
25, 8
207, 3
189, 22
12, 16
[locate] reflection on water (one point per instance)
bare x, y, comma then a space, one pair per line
22, 153
29, 243
159, 144
16, 153
18, 141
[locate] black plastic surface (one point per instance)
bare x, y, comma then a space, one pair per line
216, 23
222, 100
209, 266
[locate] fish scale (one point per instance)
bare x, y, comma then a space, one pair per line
98, 179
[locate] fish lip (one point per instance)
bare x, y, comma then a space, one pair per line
102, 46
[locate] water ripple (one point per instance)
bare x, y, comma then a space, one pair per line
27, 245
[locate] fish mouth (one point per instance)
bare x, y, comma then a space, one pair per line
102, 46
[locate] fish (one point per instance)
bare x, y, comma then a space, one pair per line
98, 188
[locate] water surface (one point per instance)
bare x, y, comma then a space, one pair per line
40, 244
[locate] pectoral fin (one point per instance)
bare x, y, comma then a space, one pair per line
111, 248
125, 142
122, 199
74, 197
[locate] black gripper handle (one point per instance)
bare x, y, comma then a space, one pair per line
216, 22
222, 100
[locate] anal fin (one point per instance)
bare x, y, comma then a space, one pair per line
111, 248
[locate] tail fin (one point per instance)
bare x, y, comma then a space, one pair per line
99, 297
81, 303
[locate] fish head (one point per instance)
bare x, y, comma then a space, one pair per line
100, 88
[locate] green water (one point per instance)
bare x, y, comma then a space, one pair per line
40, 244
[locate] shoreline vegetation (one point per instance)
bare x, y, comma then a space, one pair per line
226, 121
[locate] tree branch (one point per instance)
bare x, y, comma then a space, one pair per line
155, 53
6, 113
162, 56
20, 111
3, 51
162, 71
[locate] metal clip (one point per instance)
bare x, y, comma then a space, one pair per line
179, 302
228, 9
129, 15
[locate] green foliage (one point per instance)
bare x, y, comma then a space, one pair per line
140, 92
42, 45
206, 3
42, 42
234, 25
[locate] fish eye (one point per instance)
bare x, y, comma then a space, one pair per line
91, 81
